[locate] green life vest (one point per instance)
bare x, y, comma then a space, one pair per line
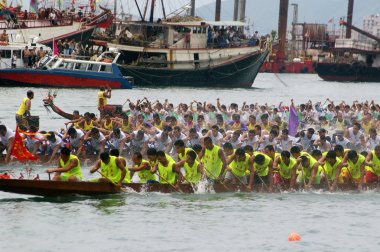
239, 168
145, 175
355, 168
76, 171
112, 172
308, 169
263, 169
376, 164
191, 173
182, 156
212, 163
286, 170
167, 172
331, 170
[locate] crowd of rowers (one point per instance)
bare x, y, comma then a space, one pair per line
247, 145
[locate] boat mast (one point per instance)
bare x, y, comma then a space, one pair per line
282, 26
294, 23
242, 10
236, 9
193, 8
152, 11
349, 18
218, 7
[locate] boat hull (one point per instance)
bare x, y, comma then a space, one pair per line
62, 78
60, 188
239, 73
347, 72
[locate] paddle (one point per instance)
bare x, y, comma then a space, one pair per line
177, 190
326, 176
262, 181
240, 181
104, 176
214, 177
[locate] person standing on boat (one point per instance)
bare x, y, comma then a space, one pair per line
69, 168
25, 56
24, 110
112, 169
14, 60
103, 95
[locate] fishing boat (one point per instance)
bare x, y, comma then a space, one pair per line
352, 60
60, 188
41, 29
70, 73
187, 51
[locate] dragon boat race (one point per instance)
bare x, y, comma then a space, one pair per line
189, 125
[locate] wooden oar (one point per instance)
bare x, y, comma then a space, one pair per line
216, 178
177, 190
104, 176
326, 175
262, 181
240, 181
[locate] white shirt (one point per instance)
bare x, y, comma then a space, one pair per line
5, 139
75, 141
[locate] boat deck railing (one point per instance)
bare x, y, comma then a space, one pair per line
35, 23
356, 44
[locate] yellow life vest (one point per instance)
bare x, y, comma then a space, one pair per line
145, 175
167, 172
212, 163
240, 168
76, 171
183, 156
307, 170
88, 127
21, 111
251, 126
376, 163
331, 170
191, 172
112, 172
108, 126
263, 169
286, 170
127, 128
159, 126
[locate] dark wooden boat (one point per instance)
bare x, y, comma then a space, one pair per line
60, 188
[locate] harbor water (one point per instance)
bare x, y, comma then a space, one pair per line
342, 221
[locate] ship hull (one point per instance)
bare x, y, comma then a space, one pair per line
239, 73
342, 72
62, 78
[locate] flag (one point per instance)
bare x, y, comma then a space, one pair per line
293, 121
3, 4
33, 7
19, 150
331, 20
55, 47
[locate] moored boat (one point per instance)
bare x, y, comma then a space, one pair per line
60, 188
69, 73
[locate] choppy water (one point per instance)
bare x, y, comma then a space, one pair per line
202, 222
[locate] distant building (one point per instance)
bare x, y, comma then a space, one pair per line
371, 24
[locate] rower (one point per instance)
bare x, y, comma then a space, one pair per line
112, 169
287, 167
356, 166
263, 167
213, 159
76, 138
179, 146
239, 166
333, 167
143, 169
7, 137
373, 173
310, 171
117, 139
108, 123
69, 168
116, 153
97, 141
193, 168
53, 145
24, 110
169, 171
